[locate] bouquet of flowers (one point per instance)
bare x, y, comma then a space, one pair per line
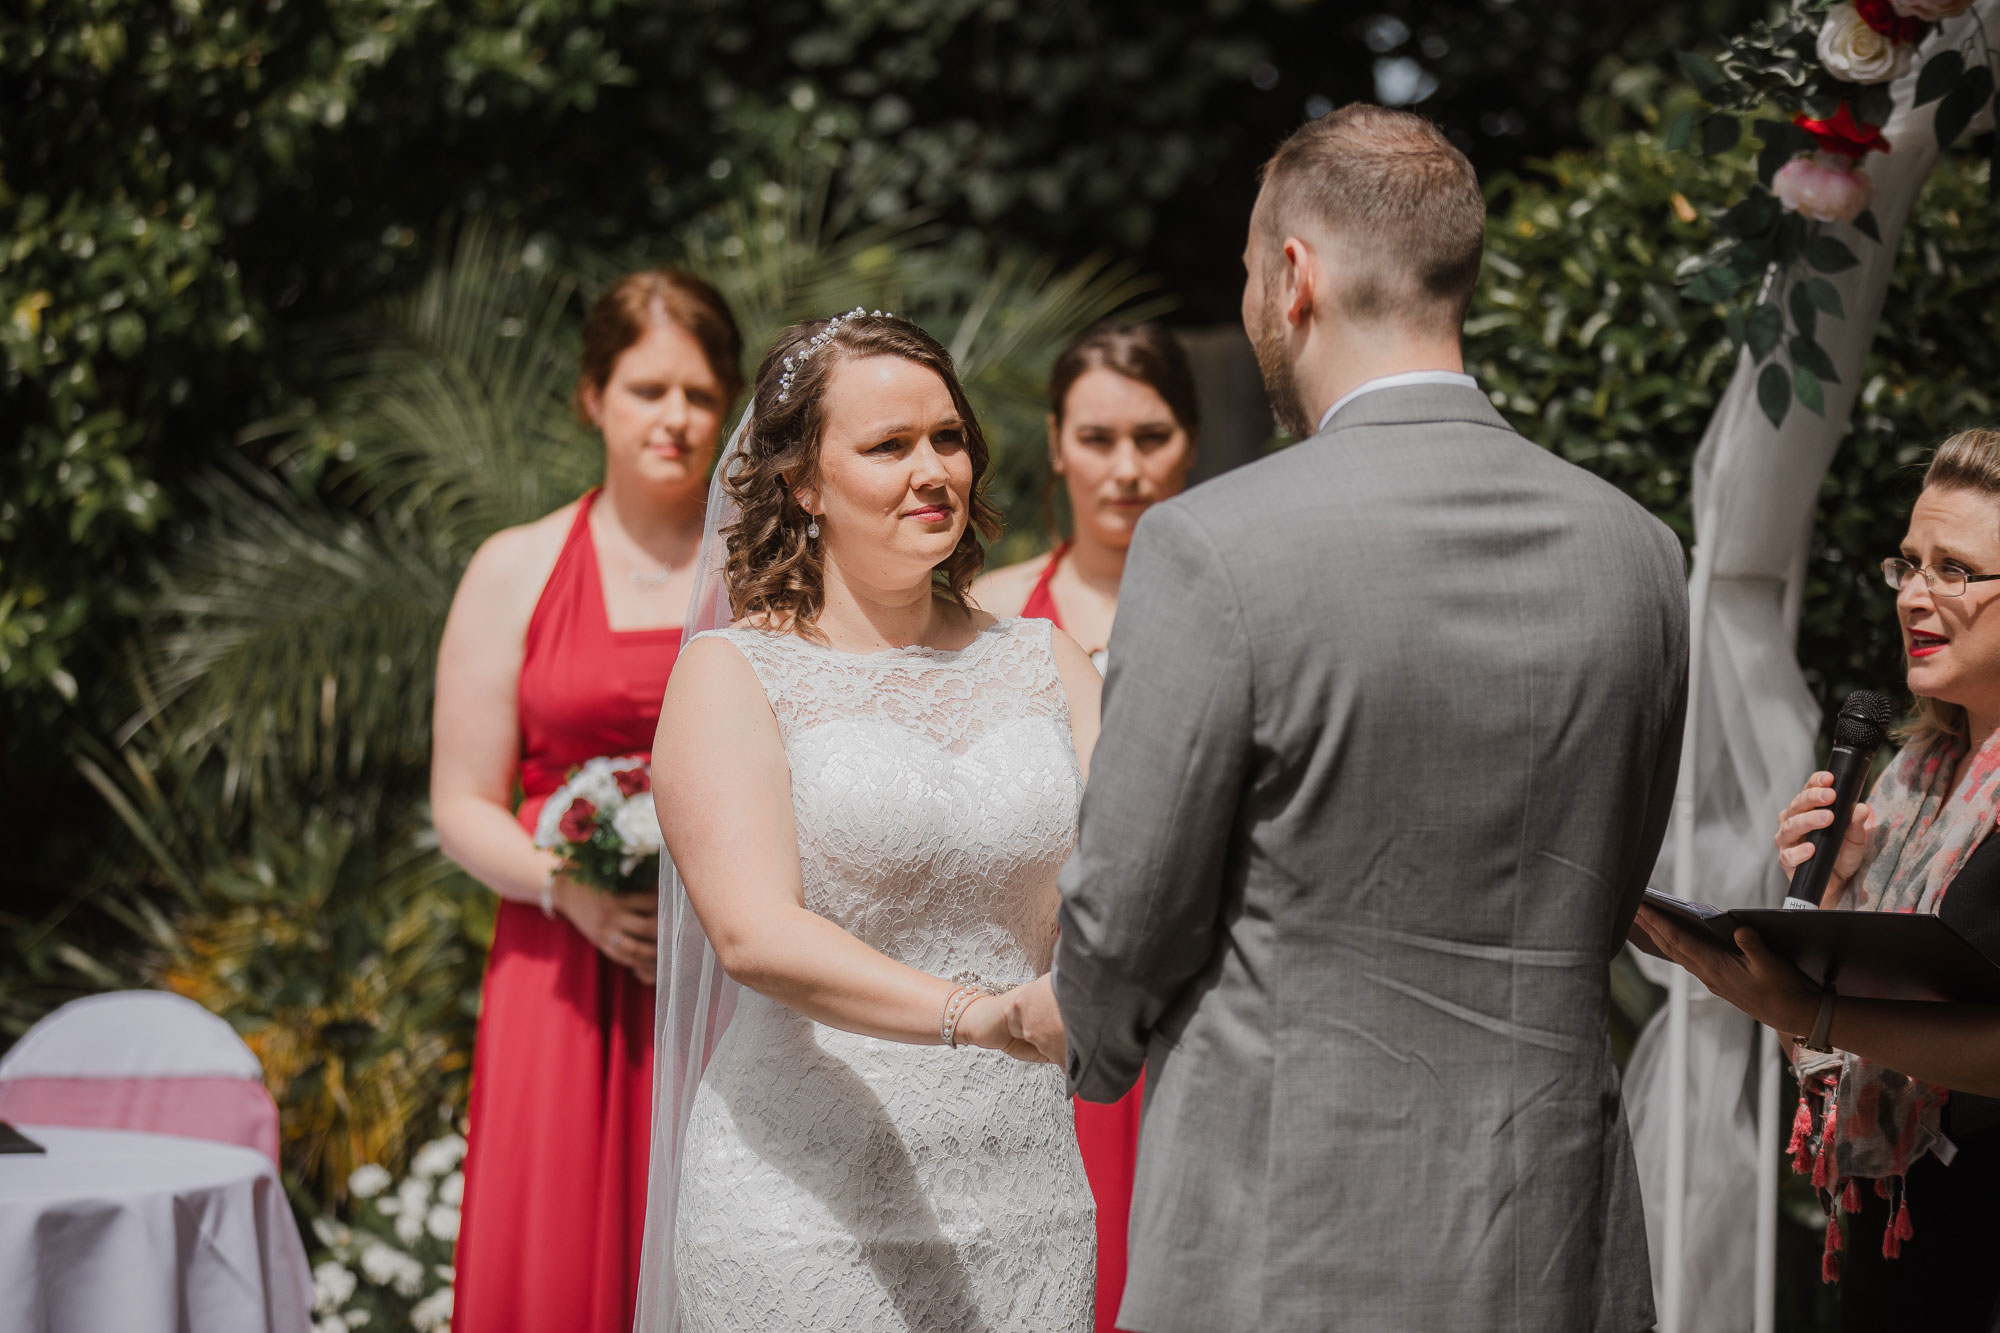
602, 824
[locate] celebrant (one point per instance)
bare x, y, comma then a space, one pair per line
1896, 1125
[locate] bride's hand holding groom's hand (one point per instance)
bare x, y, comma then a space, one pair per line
1023, 1023
985, 1025
1034, 1020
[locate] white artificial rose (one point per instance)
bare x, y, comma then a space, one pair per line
333, 1283
1855, 52
332, 1323
1930, 11
442, 1222
367, 1181
433, 1312
356, 1318
451, 1189
637, 825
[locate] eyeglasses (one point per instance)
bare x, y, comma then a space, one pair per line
1946, 582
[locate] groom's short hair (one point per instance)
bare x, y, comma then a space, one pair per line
1398, 199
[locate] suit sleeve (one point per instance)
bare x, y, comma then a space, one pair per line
1667, 760
1142, 894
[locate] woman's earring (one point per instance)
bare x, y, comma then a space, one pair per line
812, 529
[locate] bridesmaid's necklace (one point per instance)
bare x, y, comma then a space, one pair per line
650, 580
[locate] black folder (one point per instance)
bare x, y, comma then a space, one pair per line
14, 1141
1870, 955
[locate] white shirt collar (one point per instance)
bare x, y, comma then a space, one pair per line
1397, 382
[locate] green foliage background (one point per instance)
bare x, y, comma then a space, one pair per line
288, 310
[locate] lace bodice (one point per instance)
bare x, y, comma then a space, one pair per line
847, 1184
935, 792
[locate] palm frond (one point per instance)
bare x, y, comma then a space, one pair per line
299, 643
454, 400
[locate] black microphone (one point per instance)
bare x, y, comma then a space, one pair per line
1857, 732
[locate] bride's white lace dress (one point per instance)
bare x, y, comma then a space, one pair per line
845, 1184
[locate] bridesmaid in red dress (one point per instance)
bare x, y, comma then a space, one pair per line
557, 650
1122, 425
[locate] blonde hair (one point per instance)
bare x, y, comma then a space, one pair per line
1968, 461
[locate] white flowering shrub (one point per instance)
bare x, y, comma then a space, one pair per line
391, 1267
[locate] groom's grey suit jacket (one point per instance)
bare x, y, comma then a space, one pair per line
1390, 735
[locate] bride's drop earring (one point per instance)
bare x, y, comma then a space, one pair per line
812, 529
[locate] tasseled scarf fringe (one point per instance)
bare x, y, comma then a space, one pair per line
1815, 1134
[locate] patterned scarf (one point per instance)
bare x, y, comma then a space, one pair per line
1856, 1119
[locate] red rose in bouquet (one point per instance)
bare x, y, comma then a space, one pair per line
578, 821
632, 781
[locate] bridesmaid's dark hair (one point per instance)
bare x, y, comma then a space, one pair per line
774, 572
1148, 353
637, 301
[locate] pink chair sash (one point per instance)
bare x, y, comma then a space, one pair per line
224, 1110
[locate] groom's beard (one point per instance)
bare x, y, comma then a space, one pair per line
1281, 383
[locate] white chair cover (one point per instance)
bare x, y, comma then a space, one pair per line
131, 1034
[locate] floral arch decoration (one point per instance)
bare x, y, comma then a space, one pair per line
1829, 63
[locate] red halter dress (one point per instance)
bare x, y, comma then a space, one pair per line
562, 1078
1108, 1135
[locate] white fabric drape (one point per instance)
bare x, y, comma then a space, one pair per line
696, 998
1750, 744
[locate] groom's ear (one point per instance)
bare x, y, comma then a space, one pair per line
1301, 281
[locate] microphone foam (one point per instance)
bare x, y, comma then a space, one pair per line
1863, 720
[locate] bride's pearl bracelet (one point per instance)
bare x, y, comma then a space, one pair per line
955, 1005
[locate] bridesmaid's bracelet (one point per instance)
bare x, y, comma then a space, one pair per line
549, 892
955, 1005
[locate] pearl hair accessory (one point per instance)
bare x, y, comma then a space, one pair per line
796, 361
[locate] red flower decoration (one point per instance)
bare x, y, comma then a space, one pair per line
1842, 133
1881, 15
632, 781
578, 822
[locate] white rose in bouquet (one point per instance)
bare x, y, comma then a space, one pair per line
1853, 51
638, 827
594, 783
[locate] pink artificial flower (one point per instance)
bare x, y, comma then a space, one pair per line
632, 781
1825, 187
578, 821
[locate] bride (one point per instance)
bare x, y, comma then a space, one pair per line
867, 789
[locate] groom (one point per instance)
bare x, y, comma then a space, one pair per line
1390, 736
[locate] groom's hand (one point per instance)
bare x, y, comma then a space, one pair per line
1032, 1016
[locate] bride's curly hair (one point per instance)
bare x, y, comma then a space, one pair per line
774, 572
